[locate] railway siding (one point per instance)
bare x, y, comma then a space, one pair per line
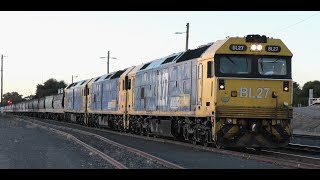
25, 146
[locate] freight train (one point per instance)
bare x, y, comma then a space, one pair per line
235, 92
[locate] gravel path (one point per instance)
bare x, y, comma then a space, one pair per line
306, 120
24, 146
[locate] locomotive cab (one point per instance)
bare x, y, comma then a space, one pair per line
253, 92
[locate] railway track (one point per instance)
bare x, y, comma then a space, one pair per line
109, 159
269, 156
303, 148
296, 153
292, 156
305, 136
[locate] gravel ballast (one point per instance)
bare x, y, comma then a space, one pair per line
25, 146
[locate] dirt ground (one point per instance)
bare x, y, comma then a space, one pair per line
306, 120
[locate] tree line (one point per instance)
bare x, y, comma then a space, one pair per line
301, 95
51, 86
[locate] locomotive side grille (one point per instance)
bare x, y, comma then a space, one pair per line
249, 112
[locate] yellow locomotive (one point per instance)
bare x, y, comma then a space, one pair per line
235, 92
245, 87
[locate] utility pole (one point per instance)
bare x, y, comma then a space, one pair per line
72, 78
2, 56
108, 61
187, 36
2, 78
108, 58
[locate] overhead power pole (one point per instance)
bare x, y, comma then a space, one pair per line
187, 36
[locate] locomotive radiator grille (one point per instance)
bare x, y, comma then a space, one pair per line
250, 112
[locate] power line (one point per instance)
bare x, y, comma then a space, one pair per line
294, 24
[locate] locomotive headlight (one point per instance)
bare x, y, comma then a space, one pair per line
259, 47
286, 86
253, 47
221, 84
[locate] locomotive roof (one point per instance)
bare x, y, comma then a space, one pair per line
135, 69
78, 84
158, 62
104, 77
223, 46
112, 75
173, 58
192, 53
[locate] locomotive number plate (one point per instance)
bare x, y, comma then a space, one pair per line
247, 93
238, 47
273, 48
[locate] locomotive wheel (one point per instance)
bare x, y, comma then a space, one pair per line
142, 133
218, 146
194, 138
148, 131
206, 142
194, 142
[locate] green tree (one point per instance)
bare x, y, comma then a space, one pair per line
29, 97
296, 93
304, 95
14, 97
50, 87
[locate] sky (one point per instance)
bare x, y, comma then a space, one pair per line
41, 45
